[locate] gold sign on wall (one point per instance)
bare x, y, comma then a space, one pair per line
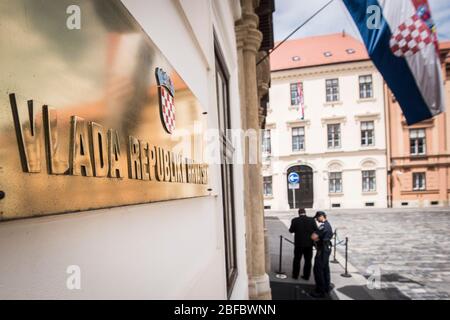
92, 117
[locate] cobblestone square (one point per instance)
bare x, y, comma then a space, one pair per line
409, 247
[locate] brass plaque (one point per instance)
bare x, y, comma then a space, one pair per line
91, 115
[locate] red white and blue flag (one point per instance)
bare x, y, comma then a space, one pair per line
404, 48
301, 100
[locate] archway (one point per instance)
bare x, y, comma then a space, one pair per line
304, 195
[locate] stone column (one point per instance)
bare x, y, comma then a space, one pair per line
263, 81
248, 42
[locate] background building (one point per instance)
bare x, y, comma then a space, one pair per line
339, 146
419, 155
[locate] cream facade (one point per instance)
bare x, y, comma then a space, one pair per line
343, 172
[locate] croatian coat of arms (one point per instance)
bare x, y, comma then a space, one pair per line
166, 92
417, 32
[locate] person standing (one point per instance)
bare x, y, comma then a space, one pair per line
322, 239
303, 227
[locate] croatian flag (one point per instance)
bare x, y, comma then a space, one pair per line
301, 100
404, 48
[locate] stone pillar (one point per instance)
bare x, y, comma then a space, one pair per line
248, 39
263, 82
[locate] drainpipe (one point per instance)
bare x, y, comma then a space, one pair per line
388, 145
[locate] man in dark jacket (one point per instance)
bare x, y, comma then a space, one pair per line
322, 237
303, 227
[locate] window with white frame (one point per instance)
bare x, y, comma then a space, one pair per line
369, 181
335, 182
334, 136
365, 87
266, 142
298, 139
367, 133
296, 93
332, 90
419, 181
267, 186
417, 142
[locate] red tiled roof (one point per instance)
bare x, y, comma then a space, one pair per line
311, 51
444, 45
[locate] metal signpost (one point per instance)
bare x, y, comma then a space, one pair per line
294, 184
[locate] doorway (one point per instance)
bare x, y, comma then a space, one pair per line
303, 196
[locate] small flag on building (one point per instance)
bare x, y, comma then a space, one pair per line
301, 101
403, 45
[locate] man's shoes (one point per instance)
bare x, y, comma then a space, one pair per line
305, 278
295, 278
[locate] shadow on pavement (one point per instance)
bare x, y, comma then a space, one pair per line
362, 293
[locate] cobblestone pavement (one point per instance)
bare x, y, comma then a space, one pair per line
409, 247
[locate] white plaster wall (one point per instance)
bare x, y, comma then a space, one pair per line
351, 155
165, 250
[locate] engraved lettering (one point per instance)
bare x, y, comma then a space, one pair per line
115, 169
80, 155
27, 133
145, 159
99, 150
160, 164
134, 159
55, 165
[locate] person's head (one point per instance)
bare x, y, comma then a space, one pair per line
301, 212
321, 216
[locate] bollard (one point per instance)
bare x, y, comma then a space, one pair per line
346, 274
334, 245
280, 274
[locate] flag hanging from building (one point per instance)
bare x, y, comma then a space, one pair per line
301, 101
402, 43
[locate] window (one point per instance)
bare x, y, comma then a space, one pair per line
367, 133
335, 182
334, 136
266, 143
365, 87
298, 139
417, 142
296, 94
267, 184
419, 181
226, 168
369, 181
332, 90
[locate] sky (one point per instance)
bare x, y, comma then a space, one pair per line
289, 14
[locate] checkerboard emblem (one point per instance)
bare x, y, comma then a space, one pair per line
413, 35
166, 100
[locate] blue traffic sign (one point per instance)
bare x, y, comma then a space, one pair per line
293, 177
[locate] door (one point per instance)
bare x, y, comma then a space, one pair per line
302, 197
